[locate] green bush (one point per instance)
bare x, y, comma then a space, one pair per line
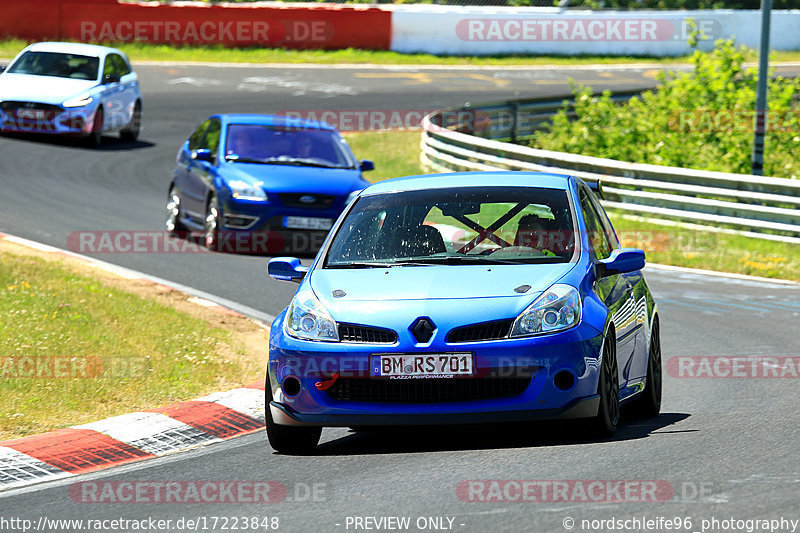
700, 119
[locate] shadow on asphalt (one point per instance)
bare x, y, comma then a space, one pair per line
110, 144
422, 439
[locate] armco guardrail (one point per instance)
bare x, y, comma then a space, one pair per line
466, 139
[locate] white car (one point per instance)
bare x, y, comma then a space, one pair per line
70, 89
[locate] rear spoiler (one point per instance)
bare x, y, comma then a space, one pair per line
597, 187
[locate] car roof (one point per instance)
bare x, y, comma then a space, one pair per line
91, 50
508, 178
272, 120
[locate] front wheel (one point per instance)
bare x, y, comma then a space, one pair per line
173, 220
211, 227
131, 131
291, 440
96, 136
607, 419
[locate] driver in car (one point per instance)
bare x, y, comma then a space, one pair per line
242, 144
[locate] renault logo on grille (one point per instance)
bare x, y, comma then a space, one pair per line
423, 329
308, 199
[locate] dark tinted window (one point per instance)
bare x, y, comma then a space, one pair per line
211, 136
253, 143
197, 136
56, 64
109, 67
122, 66
598, 239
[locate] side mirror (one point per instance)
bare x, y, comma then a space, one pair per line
366, 164
203, 154
2, 68
621, 261
286, 269
110, 78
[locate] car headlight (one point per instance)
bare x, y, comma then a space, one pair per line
557, 309
242, 190
80, 101
307, 319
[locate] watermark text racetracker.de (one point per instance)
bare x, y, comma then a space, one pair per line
598, 29
209, 31
194, 492
187, 242
73, 367
752, 367
240, 522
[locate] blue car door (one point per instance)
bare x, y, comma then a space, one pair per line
200, 174
616, 291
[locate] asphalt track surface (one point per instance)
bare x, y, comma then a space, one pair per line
727, 447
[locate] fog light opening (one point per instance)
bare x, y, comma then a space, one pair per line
564, 380
291, 386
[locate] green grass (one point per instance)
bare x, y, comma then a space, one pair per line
395, 153
709, 250
93, 351
156, 52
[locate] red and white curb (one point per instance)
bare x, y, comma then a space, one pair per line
134, 436
131, 437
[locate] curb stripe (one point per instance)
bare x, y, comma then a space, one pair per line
154, 433
213, 418
246, 401
77, 450
18, 469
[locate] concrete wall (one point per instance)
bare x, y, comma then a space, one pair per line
487, 31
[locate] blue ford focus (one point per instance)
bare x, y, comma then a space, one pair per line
463, 298
262, 183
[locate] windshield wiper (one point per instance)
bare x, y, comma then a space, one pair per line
461, 259
376, 264
240, 159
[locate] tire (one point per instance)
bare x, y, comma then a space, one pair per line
291, 440
211, 225
131, 132
96, 136
604, 424
648, 404
173, 219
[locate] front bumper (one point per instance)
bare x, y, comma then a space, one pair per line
262, 226
576, 351
77, 121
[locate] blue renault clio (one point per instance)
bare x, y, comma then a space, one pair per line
262, 183
463, 298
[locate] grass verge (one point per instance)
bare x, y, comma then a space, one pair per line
157, 52
724, 252
395, 153
79, 345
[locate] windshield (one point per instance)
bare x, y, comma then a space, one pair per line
278, 145
56, 64
456, 226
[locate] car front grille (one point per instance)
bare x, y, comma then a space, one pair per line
11, 106
307, 201
484, 331
366, 334
417, 391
